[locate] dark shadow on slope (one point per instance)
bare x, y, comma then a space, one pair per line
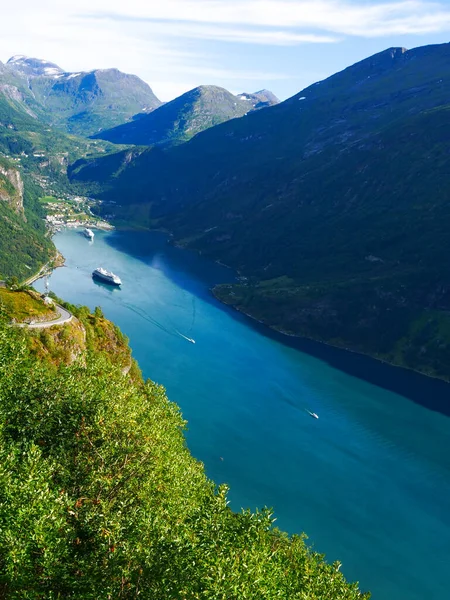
154, 248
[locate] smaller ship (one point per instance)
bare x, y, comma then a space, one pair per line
88, 233
312, 414
106, 276
188, 339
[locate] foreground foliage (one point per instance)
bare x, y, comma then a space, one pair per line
100, 498
24, 305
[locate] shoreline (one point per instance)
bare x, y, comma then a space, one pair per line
273, 329
300, 338
409, 383
269, 328
56, 261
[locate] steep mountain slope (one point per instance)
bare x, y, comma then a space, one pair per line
334, 203
101, 497
23, 244
14, 90
33, 162
187, 115
25, 136
82, 103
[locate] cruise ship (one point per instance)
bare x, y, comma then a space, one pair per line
106, 276
88, 233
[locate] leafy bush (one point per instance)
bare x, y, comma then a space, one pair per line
100, 498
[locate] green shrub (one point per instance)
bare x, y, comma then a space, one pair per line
100, 498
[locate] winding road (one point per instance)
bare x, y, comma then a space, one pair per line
64, 317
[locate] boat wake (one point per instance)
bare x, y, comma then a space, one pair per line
194, 312
144, 315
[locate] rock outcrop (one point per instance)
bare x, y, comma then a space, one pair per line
11, 187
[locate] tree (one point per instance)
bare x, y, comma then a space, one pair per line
12, 283
98, 313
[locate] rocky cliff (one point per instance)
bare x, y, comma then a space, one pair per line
11, 187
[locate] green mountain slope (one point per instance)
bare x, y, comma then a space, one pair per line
334, 204
33, 162
187, 115
83, 103
39, 150
100, 497
24, 246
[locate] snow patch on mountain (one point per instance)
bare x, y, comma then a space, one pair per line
51, 71
17, 58
34, 67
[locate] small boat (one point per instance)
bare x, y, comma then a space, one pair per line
106, 276
88, 233
185, 337
312, 414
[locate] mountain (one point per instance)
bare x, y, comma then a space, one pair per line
85, 102
111, 105
27, 137
187, 115
333, 205
33, 162
34, 67
14, 90
260, 99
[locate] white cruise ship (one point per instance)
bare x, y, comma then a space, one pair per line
106, 276
88, 233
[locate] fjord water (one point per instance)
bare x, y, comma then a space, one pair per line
369, 481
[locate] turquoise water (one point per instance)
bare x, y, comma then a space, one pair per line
369, 481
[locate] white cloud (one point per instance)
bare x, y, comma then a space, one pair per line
337, 16
247, 36
171, 43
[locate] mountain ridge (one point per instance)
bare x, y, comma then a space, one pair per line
180, 119
260, 98
319, 203
83, 102
34, 67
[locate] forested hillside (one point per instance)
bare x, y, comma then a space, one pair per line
100, 498
182, 118
33, 163
333, 205
24, 246
26, 135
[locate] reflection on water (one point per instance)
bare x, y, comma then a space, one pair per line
106, 286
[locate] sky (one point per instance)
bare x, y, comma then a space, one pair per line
242, 45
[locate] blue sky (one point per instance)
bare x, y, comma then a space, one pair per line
243, 45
